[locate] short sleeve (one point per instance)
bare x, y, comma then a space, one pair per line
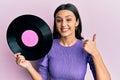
43, 67
91, 64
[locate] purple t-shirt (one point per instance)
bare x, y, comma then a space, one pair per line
66, 63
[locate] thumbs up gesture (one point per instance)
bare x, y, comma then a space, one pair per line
90, 45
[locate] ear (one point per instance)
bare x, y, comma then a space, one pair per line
77, 23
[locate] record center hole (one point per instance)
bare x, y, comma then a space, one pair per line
29, 38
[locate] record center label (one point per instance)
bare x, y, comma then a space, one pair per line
29, 38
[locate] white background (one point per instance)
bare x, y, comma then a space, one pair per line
98, 16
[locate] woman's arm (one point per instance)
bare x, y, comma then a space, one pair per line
100, 68
20, 60
34, 74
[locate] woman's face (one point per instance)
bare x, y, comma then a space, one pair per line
66, 23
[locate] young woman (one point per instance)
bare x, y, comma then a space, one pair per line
69, 55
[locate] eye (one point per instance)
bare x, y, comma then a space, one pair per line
58, 20
69, 20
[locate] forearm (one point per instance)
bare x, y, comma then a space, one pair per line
34, 74
21, 61
101, 70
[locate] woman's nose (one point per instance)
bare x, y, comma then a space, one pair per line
64, 23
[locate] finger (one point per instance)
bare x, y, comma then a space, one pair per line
19, 56
16, 55
94, 38
85, 42
20, 59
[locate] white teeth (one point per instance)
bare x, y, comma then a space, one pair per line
64, 29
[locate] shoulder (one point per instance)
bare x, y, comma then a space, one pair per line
79, 43
55, 42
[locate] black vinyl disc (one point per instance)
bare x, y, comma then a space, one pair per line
29, 35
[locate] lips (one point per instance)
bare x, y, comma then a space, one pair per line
64, 29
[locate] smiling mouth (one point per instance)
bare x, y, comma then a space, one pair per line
64, 29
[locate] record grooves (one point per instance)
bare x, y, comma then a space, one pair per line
29, 24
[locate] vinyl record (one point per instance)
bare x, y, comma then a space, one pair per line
29, 35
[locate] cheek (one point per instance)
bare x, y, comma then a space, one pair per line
72, 27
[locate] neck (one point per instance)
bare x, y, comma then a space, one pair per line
65, 41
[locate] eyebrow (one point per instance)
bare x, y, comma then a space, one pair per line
65, 16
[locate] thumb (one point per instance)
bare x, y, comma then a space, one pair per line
94, 38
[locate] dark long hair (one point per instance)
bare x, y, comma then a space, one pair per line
72, 8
